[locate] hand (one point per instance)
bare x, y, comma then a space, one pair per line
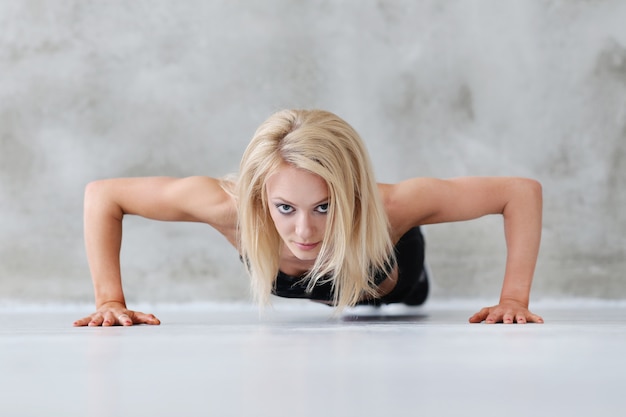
506, 312
116, 314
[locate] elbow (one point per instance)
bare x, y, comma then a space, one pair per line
531, 186
534, 188
93, 192
97, 197
530, 190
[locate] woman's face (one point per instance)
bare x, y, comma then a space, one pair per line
298, 203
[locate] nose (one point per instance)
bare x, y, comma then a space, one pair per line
305, 228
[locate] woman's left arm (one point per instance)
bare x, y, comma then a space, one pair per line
519, 200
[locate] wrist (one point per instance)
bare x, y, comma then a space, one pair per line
516, 289
508, 299
104, 294
103, 302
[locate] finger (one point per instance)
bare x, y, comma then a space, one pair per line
477, 318
96, 320
82, 322
109, 319
520, 319
143, 318
533, 318
493, 317
480, 316
507, 318
124, 320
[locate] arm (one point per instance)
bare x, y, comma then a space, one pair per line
198, 199
518, 200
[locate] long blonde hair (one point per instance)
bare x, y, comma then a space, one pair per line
356, 240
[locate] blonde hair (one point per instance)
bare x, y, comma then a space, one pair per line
357, 240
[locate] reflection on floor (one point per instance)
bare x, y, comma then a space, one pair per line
299, 360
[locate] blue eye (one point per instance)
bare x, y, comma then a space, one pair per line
284, 208
322, 208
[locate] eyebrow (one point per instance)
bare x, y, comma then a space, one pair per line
284, 200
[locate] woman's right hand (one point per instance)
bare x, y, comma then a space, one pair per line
116, 314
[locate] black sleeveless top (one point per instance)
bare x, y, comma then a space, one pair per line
411, 286
296, 287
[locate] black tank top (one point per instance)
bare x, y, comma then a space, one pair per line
290, 286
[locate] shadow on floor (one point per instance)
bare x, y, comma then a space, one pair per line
382, 318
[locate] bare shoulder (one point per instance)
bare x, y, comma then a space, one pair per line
189, 199
205, 199
406, 203
419, 201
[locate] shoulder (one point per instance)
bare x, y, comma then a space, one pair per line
189, 199
419, 201
195, 199
206, 199
211, 201
407, 203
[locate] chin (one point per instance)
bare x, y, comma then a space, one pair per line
305, 255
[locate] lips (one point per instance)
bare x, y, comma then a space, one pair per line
306, 246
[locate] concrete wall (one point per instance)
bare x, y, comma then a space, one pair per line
94, 89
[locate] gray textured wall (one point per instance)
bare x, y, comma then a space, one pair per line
94, 89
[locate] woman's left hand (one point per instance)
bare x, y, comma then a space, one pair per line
506, 312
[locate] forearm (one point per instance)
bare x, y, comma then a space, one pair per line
522, 225
103, 236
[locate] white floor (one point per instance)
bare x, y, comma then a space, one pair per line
299, 361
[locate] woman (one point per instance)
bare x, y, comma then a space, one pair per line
309, 221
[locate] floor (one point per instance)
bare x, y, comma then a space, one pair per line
297, 360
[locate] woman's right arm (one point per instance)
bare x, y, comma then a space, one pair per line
195, 199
